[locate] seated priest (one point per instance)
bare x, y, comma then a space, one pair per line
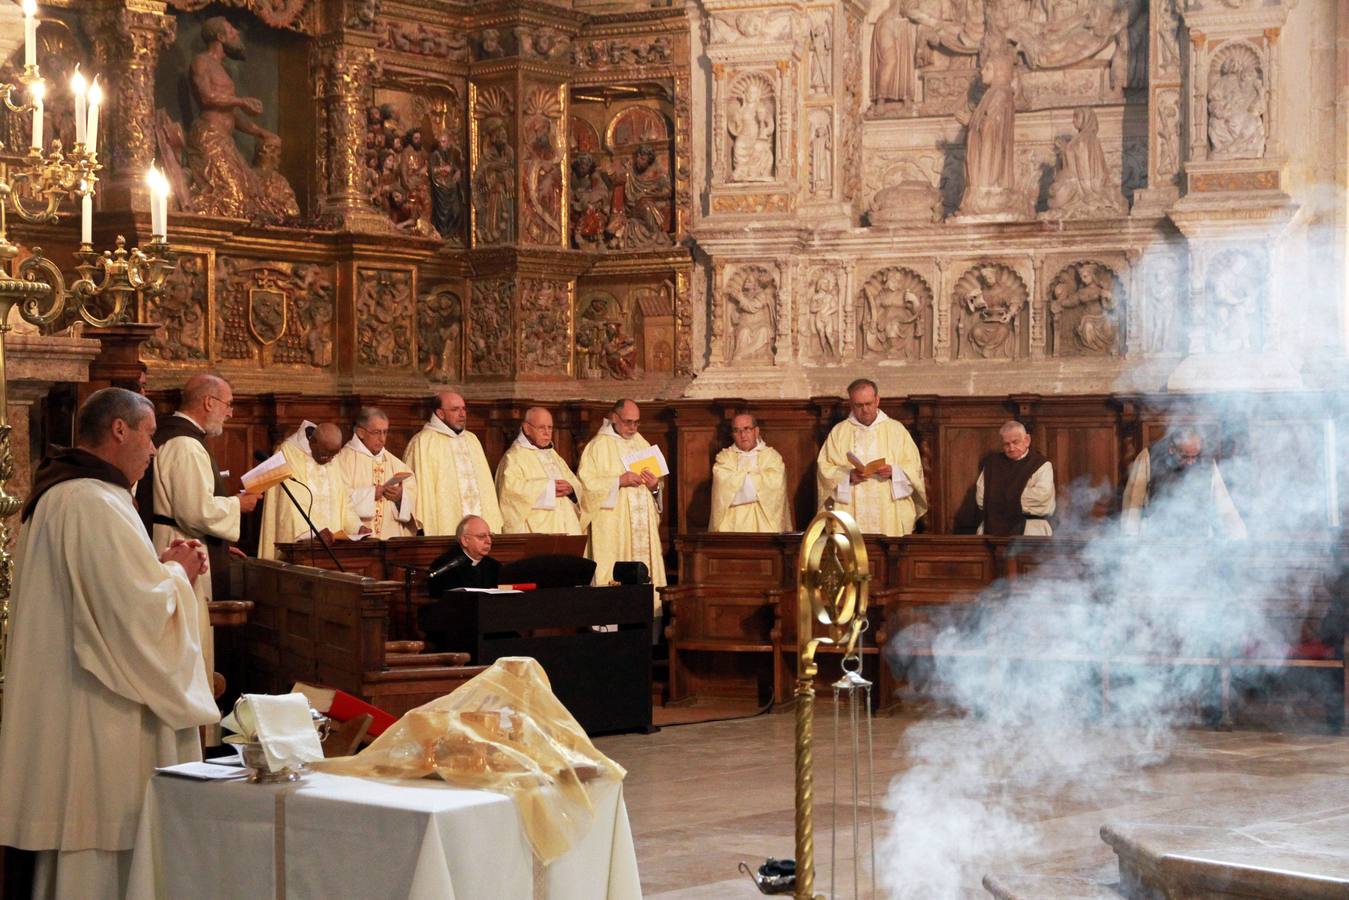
749, 483
322, 492
1175, 491
1015, 488
468, 564
538, 491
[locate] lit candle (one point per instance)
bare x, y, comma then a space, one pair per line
95, 101
86, 213
30, 32
164, 206
79, 88
37, 90
152, 182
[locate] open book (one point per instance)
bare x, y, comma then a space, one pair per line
398, 478
270, 472
866, 468
648, 460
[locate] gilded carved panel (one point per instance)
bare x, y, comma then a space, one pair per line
490, 328
493, 162
440, 330
543, 150
545, 326
275, 313
384, 313
415, 161
183, 312
625, 330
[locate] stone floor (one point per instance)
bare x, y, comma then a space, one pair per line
704, 797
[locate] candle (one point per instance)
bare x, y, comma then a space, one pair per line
152, 182
86, 214
37, 90
164, 206
95, 101
30, 33
78, 88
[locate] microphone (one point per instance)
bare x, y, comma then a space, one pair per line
447, 567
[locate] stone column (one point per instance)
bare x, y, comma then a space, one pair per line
127, 37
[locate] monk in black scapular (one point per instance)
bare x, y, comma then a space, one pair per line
1015, 490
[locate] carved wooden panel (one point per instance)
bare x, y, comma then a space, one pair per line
384, 308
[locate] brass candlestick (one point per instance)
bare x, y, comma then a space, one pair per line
832, 583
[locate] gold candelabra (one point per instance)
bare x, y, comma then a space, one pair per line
832, 581
33, 188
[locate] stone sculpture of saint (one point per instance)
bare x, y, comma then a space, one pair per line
223, 183
990, 143
1236, 111
751, 127
894, 48
753, 319
1082, 184
824, 316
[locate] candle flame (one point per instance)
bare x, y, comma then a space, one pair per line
95, 93
30, 8
37, 90
78, 85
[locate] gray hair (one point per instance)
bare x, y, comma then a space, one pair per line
1012, 426
463, 525
859, 383
368, 413
95, 418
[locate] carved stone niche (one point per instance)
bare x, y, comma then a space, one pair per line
989, 313
545, 326
1162, 290
1237, 102
827, 322
440, 333
275, 312
750, 300
1086, 310
894, 315
750, 139
754, 139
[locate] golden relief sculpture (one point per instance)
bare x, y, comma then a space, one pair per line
489, 327
274, 313
545, 322
182, 311
493, 168
440, 329
384, 309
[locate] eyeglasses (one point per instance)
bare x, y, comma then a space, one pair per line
748, 430
229, 404
375, 432
629, 422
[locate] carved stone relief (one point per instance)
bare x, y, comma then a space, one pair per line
821, 52
1085, 313
494, 171
987, 306
751, 25
490, 327
751, 300
821, 153
543, 42
424, 40
1083, 187
1236, 297
542, 139
385, 317
751, 123
1163, 291
894, 307
850, 107
1168, 134
908, 187
440, 328
605, 342
1168, 41
278, 313
826, 321
545, 323
992, 184
616, 53
182, 312
1237, 99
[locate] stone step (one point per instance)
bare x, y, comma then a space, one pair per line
1041, 887
1280, 860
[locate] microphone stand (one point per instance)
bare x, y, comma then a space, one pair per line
318, 536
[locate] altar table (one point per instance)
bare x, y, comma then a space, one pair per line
331, 836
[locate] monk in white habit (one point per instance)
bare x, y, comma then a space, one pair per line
749, 483
191, 501
620, 505
104, 678
1174, 491
885, 498
453, 478
322, 492
1015, 488
538, 491
385, 502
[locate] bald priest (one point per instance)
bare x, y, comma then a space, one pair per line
537, 490
749, 483
104, 675
322, 492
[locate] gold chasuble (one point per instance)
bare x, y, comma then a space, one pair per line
104, 679
749, 491
624, 524
453, 479
364, 474
881, 506
526, 485
328, 500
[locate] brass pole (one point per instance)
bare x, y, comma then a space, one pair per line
805, 777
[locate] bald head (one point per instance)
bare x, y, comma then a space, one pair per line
451, 409
209, 400
538, 427
325, 443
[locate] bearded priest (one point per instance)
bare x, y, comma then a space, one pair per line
453, 478
870, 466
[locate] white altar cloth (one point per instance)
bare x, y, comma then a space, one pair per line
332, 836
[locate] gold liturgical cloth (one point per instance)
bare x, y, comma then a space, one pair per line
503, 731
